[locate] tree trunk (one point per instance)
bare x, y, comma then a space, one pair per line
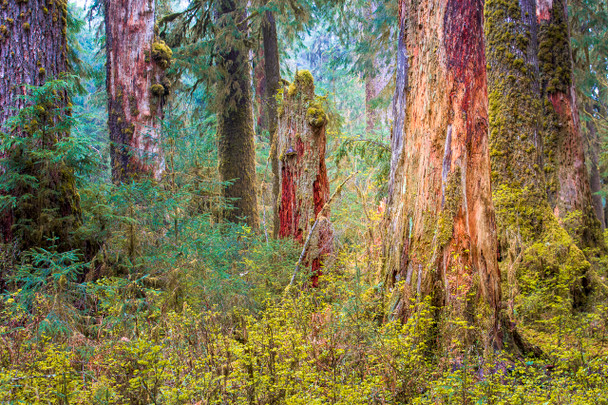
273, 78
564, 160
137, 87
441, 236
303, 182
235, 118
595, 177
530, 237
33, 50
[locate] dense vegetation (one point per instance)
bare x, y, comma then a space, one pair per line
226, 202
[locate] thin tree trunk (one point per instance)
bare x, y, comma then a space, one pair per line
235, 119
303, 182
273, 78
441, 236
595, 178
136, 87
564, 160
33, 50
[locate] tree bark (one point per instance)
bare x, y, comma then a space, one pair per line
530, 236
564, 160
33, 50
441, 237
304, 186
273, 78
595, 178
235, 118
136, 87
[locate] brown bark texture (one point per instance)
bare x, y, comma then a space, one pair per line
441, 236
531, 239
236, 143
273, 78
303, 182
137, 87
595, 178
564, 160
33, 49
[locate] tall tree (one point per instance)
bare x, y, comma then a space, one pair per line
303, 182
441, 237
530, 236
564, 160
136, 87
235, 114
272, 72
33, 51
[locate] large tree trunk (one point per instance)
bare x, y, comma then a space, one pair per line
235, 118
137, 87
33, 49
530, 237
273, 77
567, 180
300, 142
441, 237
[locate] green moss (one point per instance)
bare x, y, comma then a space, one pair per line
316, 116
3, 30
42, 71
157, 89
452, 200
162, 54
26, 26
554, 52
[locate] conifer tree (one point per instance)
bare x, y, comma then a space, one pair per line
34, 51
441, 235
235, 114
136, 87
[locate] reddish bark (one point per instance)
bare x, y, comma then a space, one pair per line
567, 178
136, 87
300, 142
441, 236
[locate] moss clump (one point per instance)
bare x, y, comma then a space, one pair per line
162, 54
158, 90
42, 71
315, 115
3, 30
303, 83
26, 26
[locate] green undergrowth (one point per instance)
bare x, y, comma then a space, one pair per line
125, 341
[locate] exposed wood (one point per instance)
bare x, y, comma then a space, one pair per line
304, 186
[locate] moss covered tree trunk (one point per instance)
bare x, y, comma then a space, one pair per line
235, 116
303, 183
33, 50
564, 161
531, 239
136, 87
441, 236
272, 71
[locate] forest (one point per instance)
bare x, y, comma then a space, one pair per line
303, 202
